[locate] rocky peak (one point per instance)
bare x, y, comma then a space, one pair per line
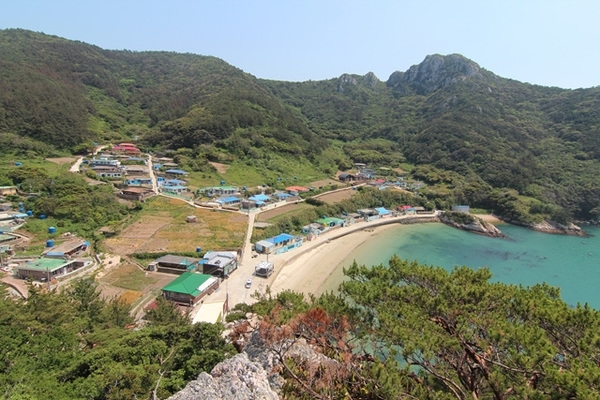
370, 80
345, 80
435, 72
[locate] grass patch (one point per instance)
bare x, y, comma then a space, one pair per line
130, 277
161, 227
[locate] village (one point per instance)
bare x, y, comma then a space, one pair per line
208, 285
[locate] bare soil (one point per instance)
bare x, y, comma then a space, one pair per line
62, 160
331, 198
221, 168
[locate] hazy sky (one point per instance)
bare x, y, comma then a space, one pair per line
546, 42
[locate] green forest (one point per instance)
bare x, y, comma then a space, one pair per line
402, 330
526, 152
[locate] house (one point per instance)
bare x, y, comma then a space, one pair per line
313, 228
175, 189
174, 182
190, 287
229, 201
135, 194
283, 196
108, 172
406, 209
294, 190
461, 209
136, 170
138, 181
383, 212
278, 244
67, 249
175, 172
95, 162
220, 190
344, 177
191, 219
331, 222
369, 214
219, 263
173, 264
45, 269
257, 200
126, 148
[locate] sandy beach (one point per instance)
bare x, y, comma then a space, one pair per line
309, 268
312, 268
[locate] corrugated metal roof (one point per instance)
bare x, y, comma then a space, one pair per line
190, 283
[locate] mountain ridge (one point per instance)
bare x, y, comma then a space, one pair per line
467, 131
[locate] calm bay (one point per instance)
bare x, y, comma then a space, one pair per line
524, 257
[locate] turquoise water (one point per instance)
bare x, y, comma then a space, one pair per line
525, 257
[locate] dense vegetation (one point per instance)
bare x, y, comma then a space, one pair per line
397, 331
409, 331
75, 345
526, 152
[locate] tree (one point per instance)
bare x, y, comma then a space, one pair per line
458, 334
166, 313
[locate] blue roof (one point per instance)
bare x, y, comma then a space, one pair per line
281, 195
176, 171
259, 197
231, 199
175, 187
282, 238
383, 211
175, 182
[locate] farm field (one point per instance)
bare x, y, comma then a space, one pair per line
162, 227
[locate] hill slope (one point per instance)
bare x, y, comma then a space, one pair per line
527, 152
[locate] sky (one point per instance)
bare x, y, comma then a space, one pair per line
549, 42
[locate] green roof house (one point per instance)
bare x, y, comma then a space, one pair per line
190, 287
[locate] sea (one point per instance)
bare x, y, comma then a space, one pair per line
524, 257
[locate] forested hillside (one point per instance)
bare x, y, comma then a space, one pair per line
523, 151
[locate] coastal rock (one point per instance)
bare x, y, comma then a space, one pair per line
470, 223
555, 227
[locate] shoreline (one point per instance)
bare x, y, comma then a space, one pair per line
309, 269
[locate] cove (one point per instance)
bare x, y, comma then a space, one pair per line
524, 257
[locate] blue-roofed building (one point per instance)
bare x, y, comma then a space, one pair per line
260, 197
383, 212
282, 196
229, 200
175, 189
175, 182
176, 172
278, 244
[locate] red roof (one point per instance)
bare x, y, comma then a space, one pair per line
296, 189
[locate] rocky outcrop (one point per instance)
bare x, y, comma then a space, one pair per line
369, 80
234, 379
435, 72
251, 374
470, 223
555, 227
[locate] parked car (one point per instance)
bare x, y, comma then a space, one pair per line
248, 283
